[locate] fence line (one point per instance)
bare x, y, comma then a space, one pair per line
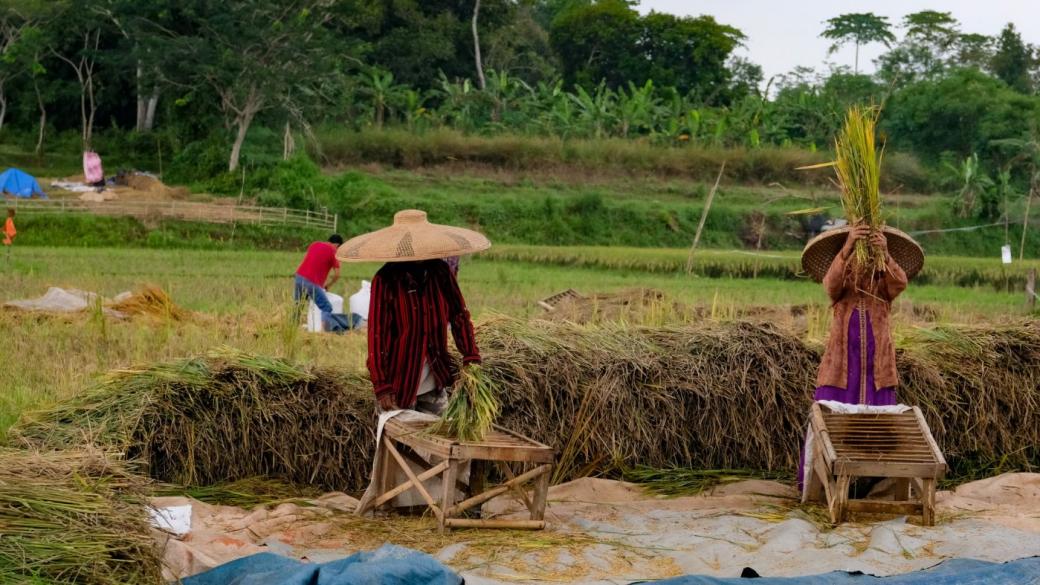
184, 210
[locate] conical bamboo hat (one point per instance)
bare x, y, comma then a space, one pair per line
821, 251
412, 237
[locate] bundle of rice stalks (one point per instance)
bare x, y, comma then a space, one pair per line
857, 165
472, 409
678, 481
224, 417
73, 517
150, 300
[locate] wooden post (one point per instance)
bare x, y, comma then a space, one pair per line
1025, 226
1031, 290
704, 217
448, 492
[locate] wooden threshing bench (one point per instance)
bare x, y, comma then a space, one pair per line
501, 447
886, 445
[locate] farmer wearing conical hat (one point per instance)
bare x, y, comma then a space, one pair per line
415, 300
859, 359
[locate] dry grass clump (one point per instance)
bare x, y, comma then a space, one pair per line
223, 417
73, 517
711, 396
153, 301
608, 397
979, 388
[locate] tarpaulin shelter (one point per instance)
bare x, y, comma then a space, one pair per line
20, 184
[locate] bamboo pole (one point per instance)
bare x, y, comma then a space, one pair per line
1025, 226
704, 217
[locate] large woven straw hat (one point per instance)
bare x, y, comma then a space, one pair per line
821, 251
411, 238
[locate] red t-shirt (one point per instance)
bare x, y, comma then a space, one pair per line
320, 259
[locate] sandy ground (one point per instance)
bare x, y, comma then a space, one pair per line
604, 531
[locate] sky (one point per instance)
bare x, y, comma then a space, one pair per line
783, 35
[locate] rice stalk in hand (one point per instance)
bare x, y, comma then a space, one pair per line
857, 166
472, 408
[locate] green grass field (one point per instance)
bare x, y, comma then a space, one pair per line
243, 300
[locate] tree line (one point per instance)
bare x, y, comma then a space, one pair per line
190, 70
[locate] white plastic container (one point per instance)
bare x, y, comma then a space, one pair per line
314, 323
359, 301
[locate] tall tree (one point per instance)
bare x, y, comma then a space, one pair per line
77, 22
923, 53
973, 50
1014, 60
609, 41
597, 42
860, 29
481, 83
255, 55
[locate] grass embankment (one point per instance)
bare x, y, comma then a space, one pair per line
529, 209
615, 157
245, 299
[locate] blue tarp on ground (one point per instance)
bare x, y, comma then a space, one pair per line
19, 183
387, 565
952, 572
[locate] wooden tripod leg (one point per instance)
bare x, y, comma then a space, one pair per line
902, 490
518, 490
541, 494
840, 503
928, 501
448, 493
419, 487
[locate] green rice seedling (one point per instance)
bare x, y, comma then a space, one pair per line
472, 409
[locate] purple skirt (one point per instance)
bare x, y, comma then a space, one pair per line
850, 393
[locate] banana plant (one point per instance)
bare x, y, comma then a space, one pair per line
637, 108
383, 93
597, 109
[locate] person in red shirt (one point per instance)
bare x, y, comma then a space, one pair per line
313, 273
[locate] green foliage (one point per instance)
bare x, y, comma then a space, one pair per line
959, 114
88, 231
1014, 60
609, 41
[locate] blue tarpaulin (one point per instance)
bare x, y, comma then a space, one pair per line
387, 565
952, 572
19, 183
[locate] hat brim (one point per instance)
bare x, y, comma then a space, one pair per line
412, 243
820, 252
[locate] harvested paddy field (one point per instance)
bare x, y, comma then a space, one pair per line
207, 381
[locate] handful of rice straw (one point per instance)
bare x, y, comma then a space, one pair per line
857, 164
472, 408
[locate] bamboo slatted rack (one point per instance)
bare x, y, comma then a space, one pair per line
501, 447
885, 445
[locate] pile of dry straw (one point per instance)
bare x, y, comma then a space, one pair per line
710, 396
73, 517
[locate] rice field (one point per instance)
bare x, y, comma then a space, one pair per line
242, 299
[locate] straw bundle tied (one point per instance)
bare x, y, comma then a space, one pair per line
73, 517
472, 409
717, 395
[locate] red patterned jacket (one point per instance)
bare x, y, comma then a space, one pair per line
412, 306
